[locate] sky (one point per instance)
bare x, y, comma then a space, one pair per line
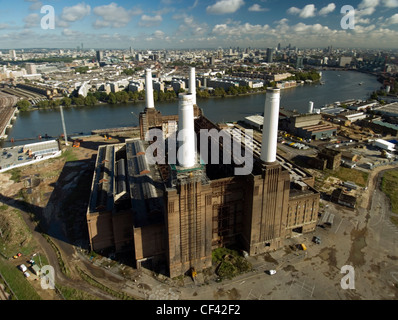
195, 24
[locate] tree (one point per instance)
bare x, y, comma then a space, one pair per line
66, 101
133, 96
219, 92
79, 101
43, 104
23, 105
112, 98
90, 100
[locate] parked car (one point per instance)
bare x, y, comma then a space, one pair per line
271, 272
23, 268
316, 239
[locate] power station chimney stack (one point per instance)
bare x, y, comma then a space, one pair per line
270, 125
192, 84
310, 107
149, 89
186, 132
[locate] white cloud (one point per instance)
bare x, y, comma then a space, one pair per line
393, 19
70, 33
368, 4
293, 10
75, 13
32, 20
35, 6
362, 21
328, 9
257, 8
390, 3
189, 24
150, 21
307, 12
225, 6
365, 12
113, 16
159, 34
239, 30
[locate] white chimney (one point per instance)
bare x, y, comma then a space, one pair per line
270, 125
186, 132
149, 89
192, 84
310, 107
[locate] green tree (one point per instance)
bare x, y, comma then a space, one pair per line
219, 92
133, 96
90, 100
112, 98
66, 101
128, 72
79, 101
23, 105
43, 104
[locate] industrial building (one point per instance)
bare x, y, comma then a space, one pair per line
306, 126
171, 215
388, 109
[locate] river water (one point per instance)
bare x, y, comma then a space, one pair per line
339, 86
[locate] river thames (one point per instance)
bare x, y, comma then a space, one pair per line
338, 86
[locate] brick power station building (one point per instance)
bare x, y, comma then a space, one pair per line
171, 216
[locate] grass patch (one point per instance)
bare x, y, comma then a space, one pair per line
230, 263
360, 178
16, 175
74, 294
18, 283
389, 185
68, 155
15, 234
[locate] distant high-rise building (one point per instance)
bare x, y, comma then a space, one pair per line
138, 57
31, 68
299, 63
270, 55
212, 60
13, 54
100, 56
279, 46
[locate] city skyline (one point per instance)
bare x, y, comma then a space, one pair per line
198, 24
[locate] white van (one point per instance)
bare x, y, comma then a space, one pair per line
23, 268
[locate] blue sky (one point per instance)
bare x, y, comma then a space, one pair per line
198, 24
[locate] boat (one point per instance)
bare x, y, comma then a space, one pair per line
361, 83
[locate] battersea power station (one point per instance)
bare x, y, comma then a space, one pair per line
175, 194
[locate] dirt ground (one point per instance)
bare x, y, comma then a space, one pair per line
52, 197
